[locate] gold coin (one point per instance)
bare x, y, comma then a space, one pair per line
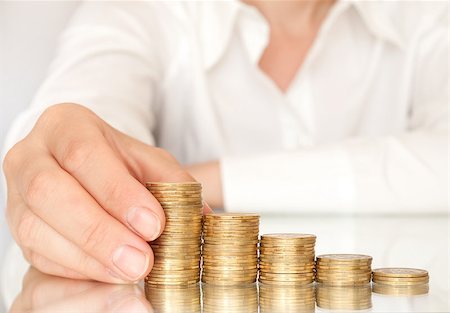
344, 258
401, 283
400, 272
393, 279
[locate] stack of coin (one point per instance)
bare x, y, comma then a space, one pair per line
167, 299
344, 297
230, 248
400, 281
177, 250
230, 299
287, 259
286, 298
343, 269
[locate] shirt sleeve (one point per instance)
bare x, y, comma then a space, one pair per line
106, 61
401, 173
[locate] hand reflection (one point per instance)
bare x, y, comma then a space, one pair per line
45, 293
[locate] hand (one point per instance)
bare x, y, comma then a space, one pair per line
76, 204
45, 293
208, 174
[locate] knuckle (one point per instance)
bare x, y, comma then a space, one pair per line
34, 259
55, 113
76, 153
113, 190
164, 154
26, 230
27, 255
39, 185
59, 117
93, 236
11, 159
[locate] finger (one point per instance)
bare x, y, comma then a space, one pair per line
57, 198
37, 236
150, 163
87, 156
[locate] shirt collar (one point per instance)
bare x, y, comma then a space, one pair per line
379, 18
217, 20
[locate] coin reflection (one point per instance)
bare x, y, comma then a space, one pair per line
166, 298
230, 299
400, 290
344, 298
286, 298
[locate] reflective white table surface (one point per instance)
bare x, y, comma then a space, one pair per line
419, 242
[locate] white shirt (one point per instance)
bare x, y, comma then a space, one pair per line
362, 128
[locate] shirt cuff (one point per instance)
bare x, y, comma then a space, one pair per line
304, 181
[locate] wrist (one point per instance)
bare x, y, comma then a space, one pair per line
208, 174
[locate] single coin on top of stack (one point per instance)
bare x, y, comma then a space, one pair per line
177, 250
343, 269
287, 258
400, 281
230, 248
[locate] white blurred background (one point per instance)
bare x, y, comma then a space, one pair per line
29, 32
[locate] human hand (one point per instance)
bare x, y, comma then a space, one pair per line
76, 204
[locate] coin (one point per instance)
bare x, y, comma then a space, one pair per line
177, 251
230, 248
400, 272
287, 258
343, 269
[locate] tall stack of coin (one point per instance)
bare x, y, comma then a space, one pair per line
400, 281
287, 258
230, 248
177, 250
344, 297
168, 299
343, 269
230, 299
286, 298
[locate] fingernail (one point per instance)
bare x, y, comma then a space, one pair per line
131, 261
145, 222
132, 304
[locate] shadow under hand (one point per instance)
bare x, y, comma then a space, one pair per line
46, 293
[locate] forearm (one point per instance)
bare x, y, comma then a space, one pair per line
394, 174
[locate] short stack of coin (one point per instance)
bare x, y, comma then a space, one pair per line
344, 297
177, 250
230, 248
168, 299
343, 269
287, 259
230, 299
286, 298
400, 281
